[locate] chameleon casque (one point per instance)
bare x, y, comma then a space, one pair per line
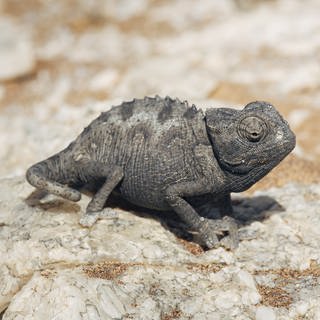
162, 154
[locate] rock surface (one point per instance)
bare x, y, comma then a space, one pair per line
133, 267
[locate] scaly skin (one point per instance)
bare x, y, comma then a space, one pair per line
163, 154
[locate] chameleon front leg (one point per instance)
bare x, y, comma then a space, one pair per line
208, 229
95, 207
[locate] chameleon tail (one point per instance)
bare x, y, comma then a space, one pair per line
43, 176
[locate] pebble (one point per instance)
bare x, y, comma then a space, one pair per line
246, 279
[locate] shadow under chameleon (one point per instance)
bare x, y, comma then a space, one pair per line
246, 210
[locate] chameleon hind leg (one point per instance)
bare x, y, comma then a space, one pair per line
38, 176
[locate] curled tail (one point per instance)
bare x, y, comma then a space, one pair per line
45, 175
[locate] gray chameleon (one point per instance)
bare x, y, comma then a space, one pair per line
162, 154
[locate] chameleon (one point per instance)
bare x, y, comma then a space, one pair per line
166, 155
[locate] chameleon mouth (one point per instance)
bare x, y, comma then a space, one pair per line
238, 167
234, 164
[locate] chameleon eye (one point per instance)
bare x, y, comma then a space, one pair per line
252, 129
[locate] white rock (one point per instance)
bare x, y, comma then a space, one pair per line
16, 52
193, 308
316, 312
250, 297
302, 308
153, 252
147, 305
203, 316
220, 254
246, 279
219, 277
265, 313
226, 300
66, 295
111, 303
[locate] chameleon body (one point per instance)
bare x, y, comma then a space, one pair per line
162, 154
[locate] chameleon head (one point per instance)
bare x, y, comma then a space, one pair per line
253, 140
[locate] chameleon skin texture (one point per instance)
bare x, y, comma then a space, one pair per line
162, 154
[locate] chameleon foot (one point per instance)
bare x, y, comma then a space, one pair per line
211, 230
90, 218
